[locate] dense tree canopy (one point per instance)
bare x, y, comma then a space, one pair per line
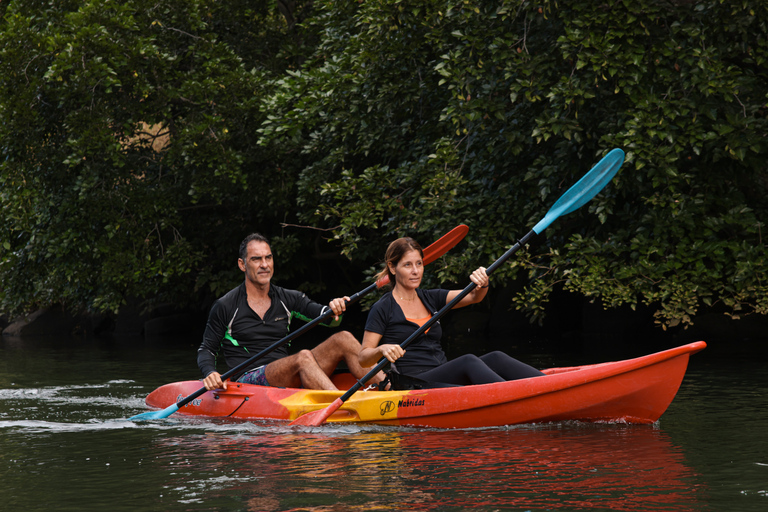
484, 112
139, 141
129, 167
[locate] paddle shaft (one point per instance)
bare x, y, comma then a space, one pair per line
291, 336
429, 323
298, 332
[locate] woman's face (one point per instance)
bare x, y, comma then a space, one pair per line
409, 270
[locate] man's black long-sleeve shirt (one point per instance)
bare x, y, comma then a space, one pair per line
238, 333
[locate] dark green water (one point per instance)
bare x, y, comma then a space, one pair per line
65, 444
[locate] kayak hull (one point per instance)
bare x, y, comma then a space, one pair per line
635, 390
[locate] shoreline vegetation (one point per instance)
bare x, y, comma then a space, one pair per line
575, 325
141, 142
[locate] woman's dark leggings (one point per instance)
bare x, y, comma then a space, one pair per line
470, 369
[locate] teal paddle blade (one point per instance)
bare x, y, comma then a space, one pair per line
155, 415
584, 189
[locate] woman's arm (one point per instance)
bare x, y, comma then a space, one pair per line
372, 352
480, 278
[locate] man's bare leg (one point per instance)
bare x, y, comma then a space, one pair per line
312, 369
298, 370
342, 346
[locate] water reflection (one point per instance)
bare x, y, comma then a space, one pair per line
615, 467
66, 445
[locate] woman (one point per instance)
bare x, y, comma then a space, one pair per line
399, 313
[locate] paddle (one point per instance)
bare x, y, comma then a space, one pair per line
431, 253
575, 197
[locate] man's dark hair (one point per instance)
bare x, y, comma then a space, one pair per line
250, 238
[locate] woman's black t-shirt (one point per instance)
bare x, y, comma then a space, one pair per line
422, 354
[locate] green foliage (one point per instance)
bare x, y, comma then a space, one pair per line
139, 141
414, 118
125, 155
687, 88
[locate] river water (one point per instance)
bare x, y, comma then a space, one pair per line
66, 444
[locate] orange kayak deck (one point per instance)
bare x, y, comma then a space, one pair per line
635, 390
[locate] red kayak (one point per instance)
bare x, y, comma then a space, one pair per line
630, 391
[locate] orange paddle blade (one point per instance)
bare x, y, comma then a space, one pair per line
317, 418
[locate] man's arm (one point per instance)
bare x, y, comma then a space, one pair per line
215, 329
304, 308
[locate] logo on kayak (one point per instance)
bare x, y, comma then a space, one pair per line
389, 406
386, 407
408, 402
196, 402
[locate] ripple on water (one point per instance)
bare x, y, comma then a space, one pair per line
72, 446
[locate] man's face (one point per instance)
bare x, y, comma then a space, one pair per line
258, 265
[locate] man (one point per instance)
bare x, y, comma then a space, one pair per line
258, 313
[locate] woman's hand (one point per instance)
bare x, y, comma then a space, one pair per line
371, 352
391, 352
480, 278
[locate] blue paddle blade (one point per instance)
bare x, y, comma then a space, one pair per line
155, 415
585, 189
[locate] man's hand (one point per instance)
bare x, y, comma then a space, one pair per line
213, 381
338, 306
